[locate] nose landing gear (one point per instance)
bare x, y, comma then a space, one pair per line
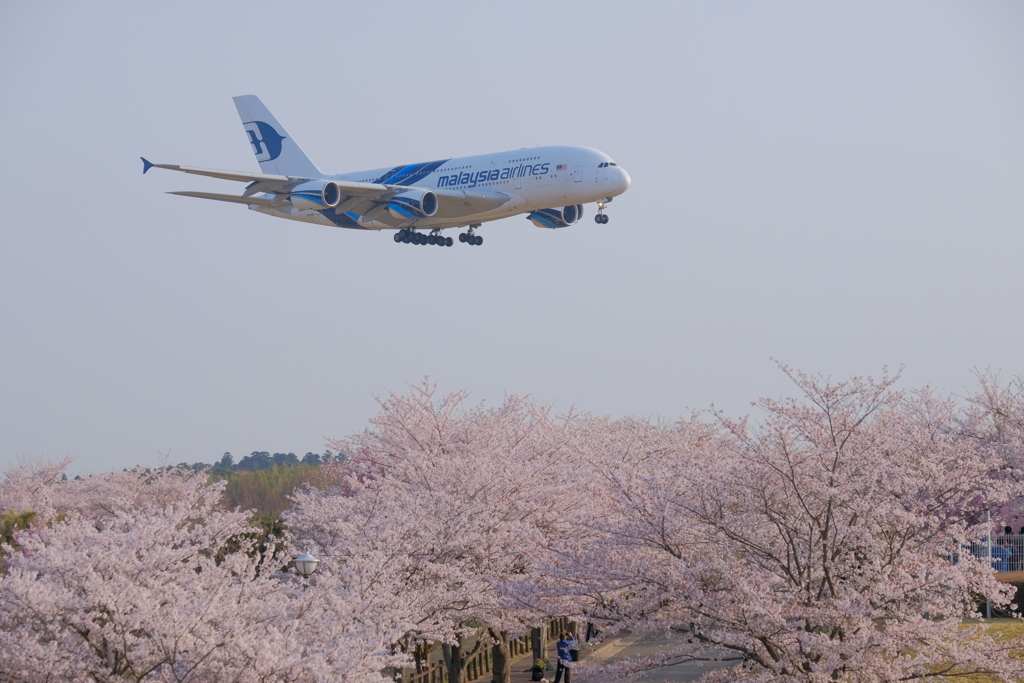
470, 238
601, 218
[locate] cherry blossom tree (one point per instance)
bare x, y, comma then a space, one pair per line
462, 500
32, 487
998, 421
1002, 413
825, 543
141, 588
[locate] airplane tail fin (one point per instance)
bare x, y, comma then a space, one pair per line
276, 151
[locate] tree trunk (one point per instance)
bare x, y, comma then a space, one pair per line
456, 658
420, 652
502, 658
539, 642
454, 661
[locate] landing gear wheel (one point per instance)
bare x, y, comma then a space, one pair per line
398, 237
598, 219
604, 219
462, 237
478, 240
448, 241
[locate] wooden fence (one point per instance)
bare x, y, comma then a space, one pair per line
433, 673
482, 663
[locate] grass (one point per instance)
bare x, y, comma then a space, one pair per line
1008, 630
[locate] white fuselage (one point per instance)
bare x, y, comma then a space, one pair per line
531, 179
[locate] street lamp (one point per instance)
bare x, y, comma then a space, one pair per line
305, 564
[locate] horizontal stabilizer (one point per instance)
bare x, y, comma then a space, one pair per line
262, 201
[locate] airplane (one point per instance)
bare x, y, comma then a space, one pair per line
548, 184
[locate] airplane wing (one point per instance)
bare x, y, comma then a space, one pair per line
450, 203
268, 182
456, 203
263, 201
240, 176
369, 199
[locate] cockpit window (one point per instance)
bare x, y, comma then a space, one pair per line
611, 163
606, 164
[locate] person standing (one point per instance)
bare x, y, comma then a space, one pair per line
563, 648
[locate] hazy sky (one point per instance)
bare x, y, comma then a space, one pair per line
839, 186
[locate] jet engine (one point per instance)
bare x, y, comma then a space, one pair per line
413, 204
315, 195
557, 218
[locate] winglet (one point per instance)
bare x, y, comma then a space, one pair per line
146, 165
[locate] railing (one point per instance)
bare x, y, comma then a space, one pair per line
1007, 552
482, 663
433, 673
517, 647
1013, 545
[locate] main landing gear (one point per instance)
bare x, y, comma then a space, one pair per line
407, 236
600, 218
469, 238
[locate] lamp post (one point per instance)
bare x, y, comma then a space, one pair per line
305, 564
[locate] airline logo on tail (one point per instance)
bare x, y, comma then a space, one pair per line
266, 142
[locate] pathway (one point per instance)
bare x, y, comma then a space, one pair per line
626, 646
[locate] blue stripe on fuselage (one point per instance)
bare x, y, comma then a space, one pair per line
394, 180
421, 172
409, 175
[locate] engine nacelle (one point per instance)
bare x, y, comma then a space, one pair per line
413, 204
557, 218
315, 195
